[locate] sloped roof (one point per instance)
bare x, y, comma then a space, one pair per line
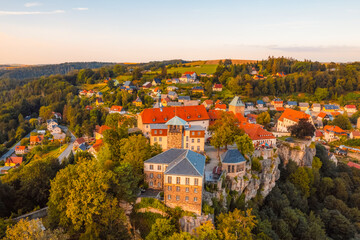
232, 156
260, 102
293, 115
292, 103
218, 86
256, 132
322, 115
158, 126
335, 129
236, 102
303, 104
16, 160
176, 121
18, 148
116, 108
188, 113
97, 145
208, 102
80, 140
330, 107
191, 164
350, 106
355, 165
318, 133
168, 156
220, 106
103, 128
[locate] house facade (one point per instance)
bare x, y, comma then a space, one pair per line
180, 174
117, 109
289, 118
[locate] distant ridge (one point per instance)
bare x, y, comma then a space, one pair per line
234, 61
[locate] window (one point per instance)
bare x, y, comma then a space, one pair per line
192, 140
193, 133
169, 196
198, 148
169, 179
169, 188
155, 139
192, 147
196, 181
151, 167
233, 168
151, 184
187, 189
151, 175
187, 145
177, 197
187, 138
198, 140
187, 198
160, 139
155, 131
187, 181
195, 190
177, 180
160, 131
159, 176
229, 168
178, 189
195, 199
159, 184
198, 133
159, 167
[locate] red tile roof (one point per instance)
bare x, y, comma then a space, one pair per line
335, 114
97, 145
190, 73
37, 139
220, 106
19, 148
208, 102
350, 106
256, 132
322, 115
218, 86
240, 117
280, 109
335, 129
101, 129
355, 165
356, 133
293, 115
188, 113
116, 108
80, 140
16, 160
318, 133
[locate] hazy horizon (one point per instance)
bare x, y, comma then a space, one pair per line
51, 32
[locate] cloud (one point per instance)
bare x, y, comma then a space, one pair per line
32, 4
81, 9
3, 13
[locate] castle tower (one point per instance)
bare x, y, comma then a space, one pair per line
176, 127
237, 106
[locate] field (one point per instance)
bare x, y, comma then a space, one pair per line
204, 68
98, 87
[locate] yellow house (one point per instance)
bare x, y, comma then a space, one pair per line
165, 101
304, 106
137, 102
99, 101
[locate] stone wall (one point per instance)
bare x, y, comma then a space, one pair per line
155, 179
174, 140
299, 151
189, 223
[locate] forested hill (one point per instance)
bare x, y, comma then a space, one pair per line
47, 70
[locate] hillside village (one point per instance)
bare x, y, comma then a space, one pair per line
209, 147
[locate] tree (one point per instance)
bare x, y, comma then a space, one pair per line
224, 130
45, 112
236, 225
263, 118
302, 129
206, 231
32, 229
321, 94
301, 180
342, 121
244, 144
161, 229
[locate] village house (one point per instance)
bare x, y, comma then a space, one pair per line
194, 115
146, 85
35, 140
355, 134
303, 106
220, 106
258, 77
5, 169
179, 173
289, 118
59, 137
333, 133
83, 93
291, 104
172, 95
249, 106
165, 101
156, 82
99, 94
99, 131
350, 108
208, 103
197, 89
171, 88
117, 109
251, 118
20, 150
316, 107
175, 80
258, 135
176, 133
237, 106
51, 124
277, 103
57, 115
331, 108
260, 104
99, 102
78, 142
56, 130
137, 102
13, 161
95, 148
82, 148
217, 87
183, 99
324, 116
318, 135
214, 115
90, 93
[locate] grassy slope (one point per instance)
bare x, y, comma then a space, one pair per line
205, 68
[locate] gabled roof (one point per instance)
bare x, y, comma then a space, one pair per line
157, 80
255, 131
168, 156
350, 106
322, 115
184, 97
316, 105
220, 106
188, 113
355, 165
293, 115
80, 140
236, 102
82, 146
356, 133
303, 104
137, 100
208, 102
176, 121
19, 148
190, 73
97, 145
334, 129
15, 160
292, 103
330, 107
232, 156
38, 138
260, 102
318, 133
217, 86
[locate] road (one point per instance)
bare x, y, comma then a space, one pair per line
12, 150
69, 148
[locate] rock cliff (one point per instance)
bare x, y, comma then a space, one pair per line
301, 152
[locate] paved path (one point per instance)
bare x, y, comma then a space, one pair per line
12, 150
69, 148
212, 153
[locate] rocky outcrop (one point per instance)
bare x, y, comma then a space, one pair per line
189, 223
301, 152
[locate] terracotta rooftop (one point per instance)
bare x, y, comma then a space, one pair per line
293, 115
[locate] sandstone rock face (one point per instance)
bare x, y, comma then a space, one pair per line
300, 152
188, 223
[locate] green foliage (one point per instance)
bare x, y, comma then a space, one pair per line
256, 165
321, 94
342, 121
161, 229
263, 118
207, 209
302, 129
300, 179
244, 144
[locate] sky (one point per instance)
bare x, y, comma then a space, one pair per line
56, 31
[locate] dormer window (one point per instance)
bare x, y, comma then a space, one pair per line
153, 119
188, 117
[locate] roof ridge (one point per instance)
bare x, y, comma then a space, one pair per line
190, 161
192, 165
